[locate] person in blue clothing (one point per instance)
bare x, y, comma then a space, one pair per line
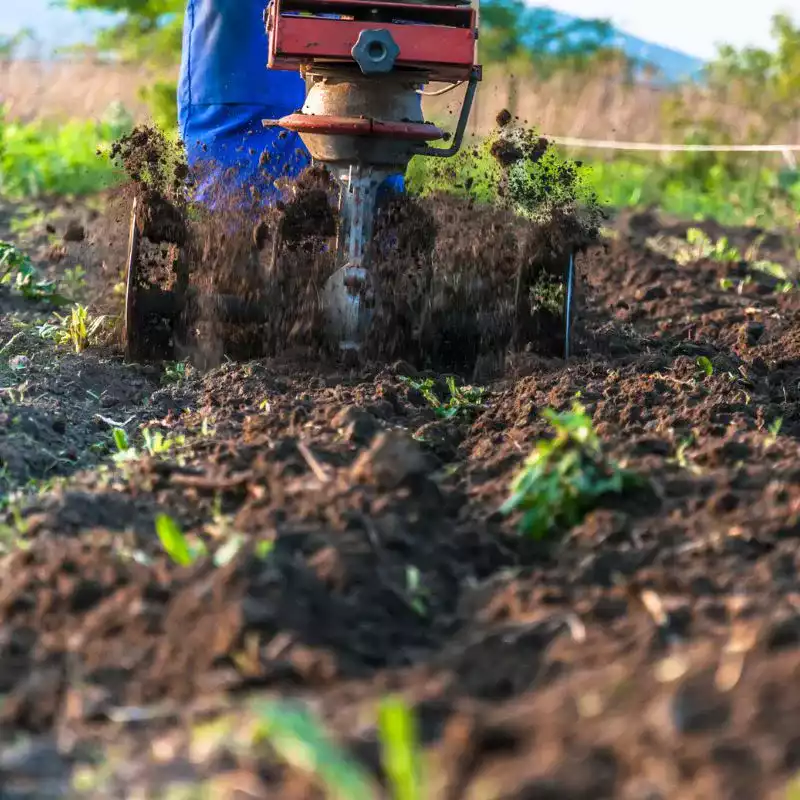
225, 91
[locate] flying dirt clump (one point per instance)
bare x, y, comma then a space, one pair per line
507, 215
462, 277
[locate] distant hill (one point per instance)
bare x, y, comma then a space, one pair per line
59, 28
672, 65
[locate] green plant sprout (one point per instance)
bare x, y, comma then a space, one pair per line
564, 477
417, 592
463, 400
773, 430
702, 247
155, 444
180, 549
17, 271
400, 749
175, 372
301, 742
705, 365
78, 329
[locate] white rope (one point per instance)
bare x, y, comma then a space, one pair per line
786, 150
440, 92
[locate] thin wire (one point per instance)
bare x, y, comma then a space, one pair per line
440, 92
786, 150
612, 144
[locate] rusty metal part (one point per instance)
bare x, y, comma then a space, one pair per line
351, 126
350, 294
390, 103
437, 39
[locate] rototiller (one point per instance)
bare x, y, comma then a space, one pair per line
366, 63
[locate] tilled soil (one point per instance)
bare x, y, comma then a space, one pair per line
652, 651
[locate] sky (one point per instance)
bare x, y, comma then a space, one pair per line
692, 26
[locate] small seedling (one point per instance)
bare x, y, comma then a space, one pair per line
704, 363
74, 280
78, 329
299, 740
124, 450
564, 477
157, 444
463, 400
175, 544
402, 758
417, 592
702, 247
773, 430
18, 272
175, 372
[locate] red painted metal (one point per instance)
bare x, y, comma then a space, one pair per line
361, 126
439, 40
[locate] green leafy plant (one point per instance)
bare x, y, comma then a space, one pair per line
704, 363
463, 400
78, 328
174, 372
124, 452
17, 272
299, 740
154, 443
41, 158
417, 592
565, 476
397, 729
538, 182
181, 550
157, 444
700, 247
773, 431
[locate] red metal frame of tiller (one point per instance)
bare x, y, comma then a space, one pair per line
437, 40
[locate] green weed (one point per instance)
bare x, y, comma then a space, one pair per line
299, 740
773, 430
180, 549
463, 400
705, 365
175, 372
564, 477
42, 158
154, 444
17, 272
397, 731
416, 591
702, 247
79, 328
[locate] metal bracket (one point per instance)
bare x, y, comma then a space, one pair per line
461, 127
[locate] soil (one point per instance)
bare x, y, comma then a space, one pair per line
650, 651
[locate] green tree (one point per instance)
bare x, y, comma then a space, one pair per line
142, 31
11, 45
765, 82
146, 32
763, 85
512, 31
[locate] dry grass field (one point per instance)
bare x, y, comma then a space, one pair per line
594, 106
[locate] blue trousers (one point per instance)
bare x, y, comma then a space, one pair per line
225, 91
